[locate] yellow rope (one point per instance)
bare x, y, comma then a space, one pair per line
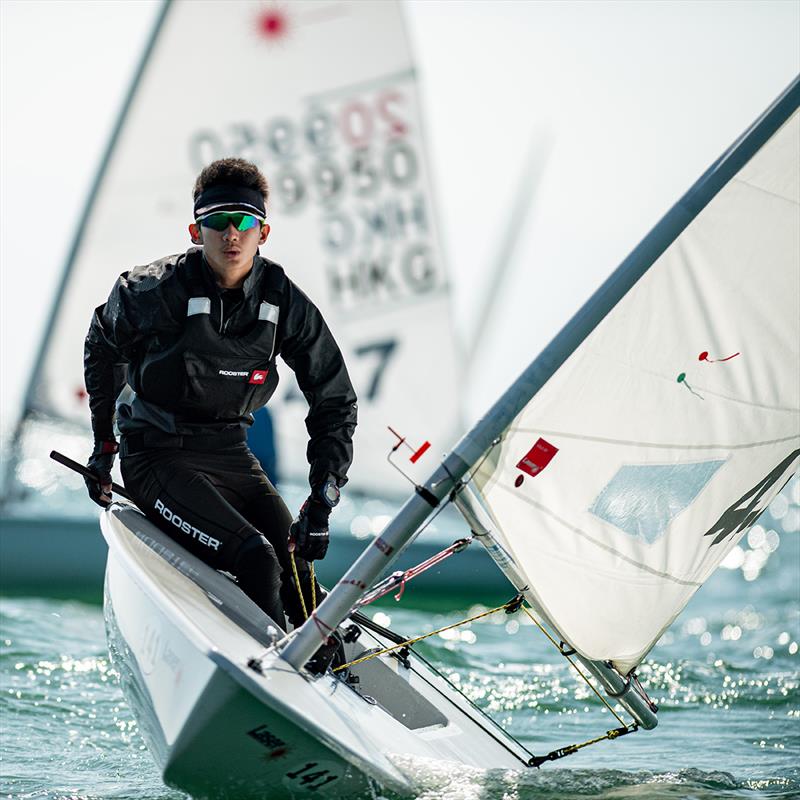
472, 619
486, 614
610, 735
424, 636
576, 668
573, 748
300, 588
297, 584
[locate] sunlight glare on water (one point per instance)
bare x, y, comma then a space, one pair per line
725, 677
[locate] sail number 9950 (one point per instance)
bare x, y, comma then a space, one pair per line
362, 175
354, 148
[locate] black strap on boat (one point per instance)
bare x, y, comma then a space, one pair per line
514, 605
634, 679
365, 622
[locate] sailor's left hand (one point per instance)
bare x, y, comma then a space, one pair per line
100, 463
309, 534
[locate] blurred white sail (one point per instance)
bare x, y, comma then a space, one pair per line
322, 96
645, 458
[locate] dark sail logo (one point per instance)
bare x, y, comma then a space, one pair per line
746, 510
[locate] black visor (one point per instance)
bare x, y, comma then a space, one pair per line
230, 198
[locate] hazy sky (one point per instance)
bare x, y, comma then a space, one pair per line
624, 105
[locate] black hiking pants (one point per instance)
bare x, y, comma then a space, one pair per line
220, 506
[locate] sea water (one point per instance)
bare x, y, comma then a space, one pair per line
726, 678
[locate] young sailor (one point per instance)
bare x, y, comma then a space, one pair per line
196, 336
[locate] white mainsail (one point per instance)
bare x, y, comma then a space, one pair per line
322, 95
646, 488
644, 459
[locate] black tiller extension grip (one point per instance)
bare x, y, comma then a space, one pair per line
86, 472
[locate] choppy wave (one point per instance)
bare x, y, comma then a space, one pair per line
439, 781
726, 677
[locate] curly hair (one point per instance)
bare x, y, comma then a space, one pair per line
231, 172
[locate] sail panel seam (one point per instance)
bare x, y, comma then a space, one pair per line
791, 200
657, 445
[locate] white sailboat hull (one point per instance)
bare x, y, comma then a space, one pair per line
220, 728
199, 723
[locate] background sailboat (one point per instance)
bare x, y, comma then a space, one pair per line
350, 207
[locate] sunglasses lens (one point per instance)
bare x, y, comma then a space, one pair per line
217, 222
246, 221
221, 221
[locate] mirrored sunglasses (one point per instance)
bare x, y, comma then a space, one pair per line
221, 220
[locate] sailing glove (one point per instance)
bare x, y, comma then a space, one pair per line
100, 463
309, 532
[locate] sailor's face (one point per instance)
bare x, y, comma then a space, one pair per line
230, 251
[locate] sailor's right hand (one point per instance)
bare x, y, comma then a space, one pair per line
100, 463
309, 534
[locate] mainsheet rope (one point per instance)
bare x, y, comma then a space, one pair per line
577, 669
300, 588
510, 607
408, 642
